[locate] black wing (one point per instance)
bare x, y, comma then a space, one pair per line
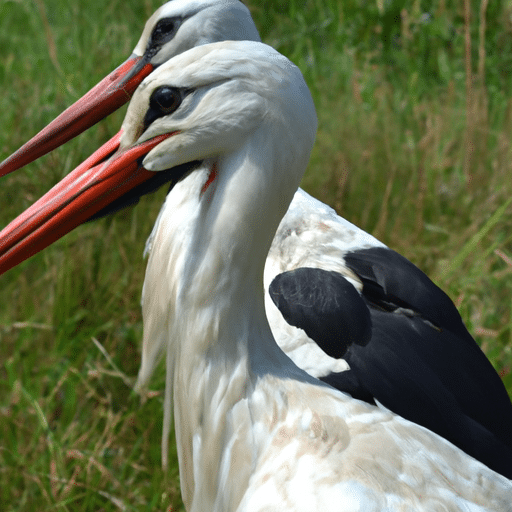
325, 305
438, 393
391, 281
421, 361
425, 319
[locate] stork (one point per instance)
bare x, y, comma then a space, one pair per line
421, 362
254, 431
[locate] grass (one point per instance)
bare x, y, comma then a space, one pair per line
405, 149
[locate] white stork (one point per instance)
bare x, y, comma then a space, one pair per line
421, 361
254, 431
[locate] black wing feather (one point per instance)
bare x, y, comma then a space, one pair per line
399, 369
392, 281
421, 362
448, 349
325, 305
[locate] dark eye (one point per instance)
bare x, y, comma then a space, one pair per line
165, 99
164, 30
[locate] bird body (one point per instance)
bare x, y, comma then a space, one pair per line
311, 235
416, 313
420, 362
254, 431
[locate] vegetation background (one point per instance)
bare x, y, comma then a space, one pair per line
415, 122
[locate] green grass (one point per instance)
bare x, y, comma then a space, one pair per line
396, 153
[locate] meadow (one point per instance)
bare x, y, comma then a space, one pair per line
414, 146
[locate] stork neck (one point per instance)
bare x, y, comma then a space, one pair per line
222, 278
209, 249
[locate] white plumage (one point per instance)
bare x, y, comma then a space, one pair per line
311, 234
255, 432
207, 21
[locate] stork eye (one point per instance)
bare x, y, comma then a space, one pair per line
165, 99
164, 30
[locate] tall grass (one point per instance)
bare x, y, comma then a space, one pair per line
407, 148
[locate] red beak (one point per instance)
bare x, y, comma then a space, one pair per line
85, 191
103, 99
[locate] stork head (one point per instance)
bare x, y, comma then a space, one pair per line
180, 25
228, 100
174, 28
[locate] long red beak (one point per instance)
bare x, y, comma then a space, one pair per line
103, 99
85, 191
